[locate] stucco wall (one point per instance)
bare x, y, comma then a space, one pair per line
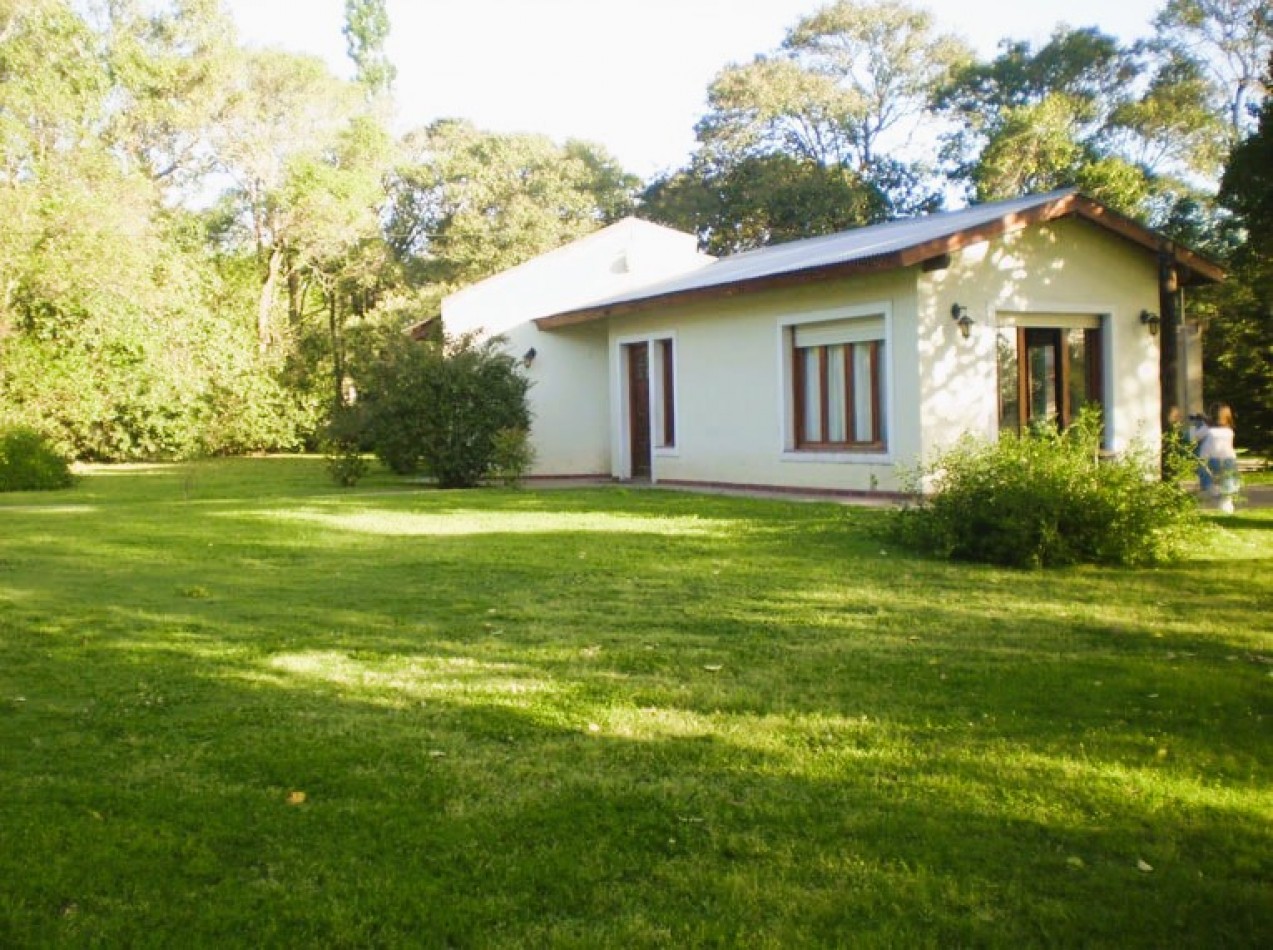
570, 412
732, 393
1069, 267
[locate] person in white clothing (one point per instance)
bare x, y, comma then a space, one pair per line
1196, 432
1217, 453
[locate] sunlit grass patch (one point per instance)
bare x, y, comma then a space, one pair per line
456, 680
238, 707
472, 521
29, 509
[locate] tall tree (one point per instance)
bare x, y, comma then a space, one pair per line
1239, 342
822, 122
53, 89
335, 244
761, 200
284, 107
883, 59
1033, 120
1231, 40
113, 336
1172, 126
366, 32
1131, 126
468, 203
170, 72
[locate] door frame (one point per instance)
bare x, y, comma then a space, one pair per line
620, 401
1061, 317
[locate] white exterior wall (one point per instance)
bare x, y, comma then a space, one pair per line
733, 391
570, 413
1065, 267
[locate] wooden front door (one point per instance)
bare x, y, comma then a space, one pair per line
639, 408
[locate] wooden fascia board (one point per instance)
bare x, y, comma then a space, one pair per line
1203, 270
902, 258
420, 330
1064, 206
959, 240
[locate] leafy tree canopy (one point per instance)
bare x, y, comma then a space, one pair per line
1231, 41
1239, 342
1131, 126
468, 203
809, 138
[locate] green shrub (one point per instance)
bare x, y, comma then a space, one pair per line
342, 447
345, 464
28, 461
1048, 498
512, 456
391, 385
440, 406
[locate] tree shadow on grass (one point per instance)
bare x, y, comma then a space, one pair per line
793, 743
1243, 521
160, 813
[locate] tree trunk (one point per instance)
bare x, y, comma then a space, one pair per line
338, 356
265, 336
294, 297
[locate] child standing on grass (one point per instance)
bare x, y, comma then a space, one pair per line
1196, 433
1218, 454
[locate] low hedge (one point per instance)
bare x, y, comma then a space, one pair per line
29, 462
1048, 498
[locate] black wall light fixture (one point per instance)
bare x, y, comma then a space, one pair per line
529, 356
959, 313
1151, 320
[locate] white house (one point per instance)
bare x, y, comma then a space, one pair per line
833, 362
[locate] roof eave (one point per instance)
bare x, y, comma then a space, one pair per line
867, 265
721, 291
1197, 268
420, 330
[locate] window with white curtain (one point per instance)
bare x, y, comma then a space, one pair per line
838, 379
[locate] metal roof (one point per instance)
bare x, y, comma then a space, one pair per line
893, 244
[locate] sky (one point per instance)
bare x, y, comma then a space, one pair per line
631, 75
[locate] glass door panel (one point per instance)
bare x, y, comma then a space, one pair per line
1042, 359
1009, 379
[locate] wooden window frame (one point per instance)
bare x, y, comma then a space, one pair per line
1093, 344
876, 441
666, 347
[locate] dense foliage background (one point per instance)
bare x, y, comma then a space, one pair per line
194, 232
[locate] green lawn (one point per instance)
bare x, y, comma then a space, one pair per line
241, 707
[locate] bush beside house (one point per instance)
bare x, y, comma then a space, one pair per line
1047, 498
445, 409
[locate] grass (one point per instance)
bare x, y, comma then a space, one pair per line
239, 706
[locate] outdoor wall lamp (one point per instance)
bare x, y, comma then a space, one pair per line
1151, 320
959, 313
529, 357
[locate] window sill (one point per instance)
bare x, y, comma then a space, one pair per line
667, 452
860, 457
